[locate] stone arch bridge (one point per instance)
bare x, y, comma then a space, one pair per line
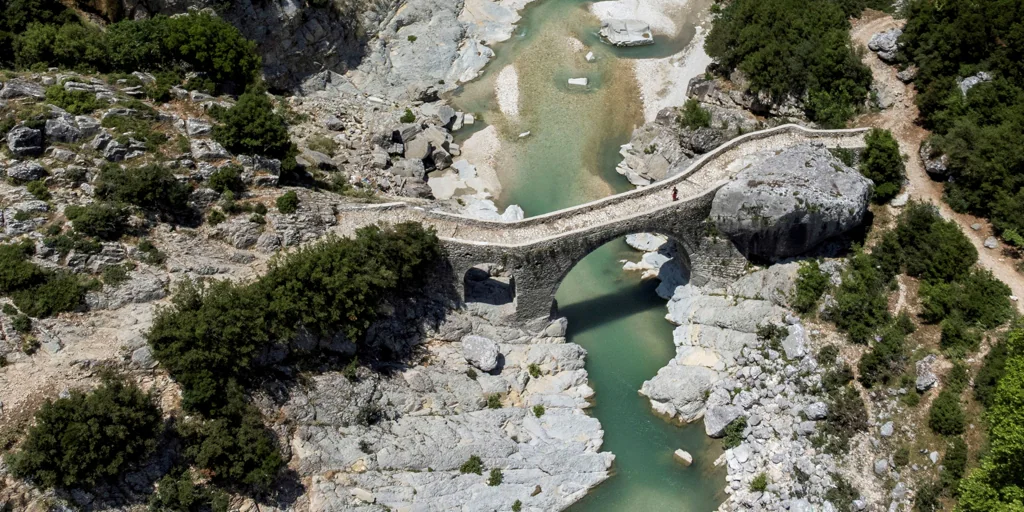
538, 252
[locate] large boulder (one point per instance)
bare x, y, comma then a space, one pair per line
22, 89
627, 32
480, 352
719, 417
62, 129
886, 44
26, 171
789, 203
25, 141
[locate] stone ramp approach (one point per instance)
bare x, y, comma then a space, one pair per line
539, 251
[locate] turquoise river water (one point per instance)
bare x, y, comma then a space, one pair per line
569, 159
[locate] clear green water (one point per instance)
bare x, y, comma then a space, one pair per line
569, 159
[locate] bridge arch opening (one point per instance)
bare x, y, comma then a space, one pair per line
489, 283
620, 278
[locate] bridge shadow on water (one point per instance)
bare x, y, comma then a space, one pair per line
604, 309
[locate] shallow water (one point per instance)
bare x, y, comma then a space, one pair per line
568, 159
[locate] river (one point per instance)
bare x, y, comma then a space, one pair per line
569, 158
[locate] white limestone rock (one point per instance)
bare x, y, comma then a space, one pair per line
480, 352
627, 32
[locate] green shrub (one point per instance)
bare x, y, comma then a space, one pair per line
74, 241
534, 370
323, 144
151, 187
408, 117
21, 323
215, 217
846, 417
180, 493
734, 433
101, 220
886, 360
793, 47
227, 179
759, 483
901, 457
946, 417
37, 292
141, 126
538, 410
828, 354
927, 497
150, 254
995, 484
772, 335
904, 323
74, 102
694, 116
934, 249
835, 380
958, 338
495, 478
841, 494
953, 463
252, 127
115, 275
472, 465
494, 401
861, 306
993, 367
517, 506
84, 439
811, 283
235, 448
883, 164
38, 190
288, 202
977, 297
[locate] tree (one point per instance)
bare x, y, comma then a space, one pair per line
89, 437
251, 127
946, 417
882, 164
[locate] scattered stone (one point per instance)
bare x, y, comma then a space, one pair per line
18, 88
717, 418
62, 129
887, 429
196, 127
817, 411
976, 226
580, 83
590, 57
683, 457
208, 150
900, 200
991, 242
882, 467
907, 75
934, 457
480, 352
968, 83
26, 171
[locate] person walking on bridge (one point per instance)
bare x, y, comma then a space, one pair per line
675, 194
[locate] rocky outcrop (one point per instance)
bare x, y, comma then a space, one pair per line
787, 204
24, 141
398, 441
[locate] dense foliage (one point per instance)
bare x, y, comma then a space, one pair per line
43, 33
102, 220
811, 282
981, 131
211, 338
883, 164
252, 127
800, 48
88, 437
37, 292
150, 187
997, 484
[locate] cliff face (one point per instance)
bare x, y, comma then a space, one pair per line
296, 39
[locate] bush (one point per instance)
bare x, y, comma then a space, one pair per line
517, 506
495, 478
861, 306
538, 410
882, 164
847, 416
215, 217
150, 187
977, 297
115, 275
86, 438
828, 354
227, 179
75, 102
886, 360
953, 463
810, 284
101, 220
494, 401
734, 433
993, 367
235, 448
759, 483
994, 484
251, 127
472, 465
793, 47
288, 202
694, 116
323, 144
150, 254
534, 370
38, 190
21, 323
180, 493
958, 338
933, 249
408, 117
901, 457
842, 494
37, 292
946, 417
